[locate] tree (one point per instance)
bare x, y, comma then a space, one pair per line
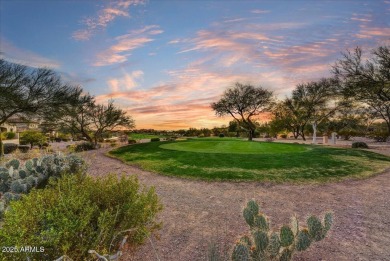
244, 102
349, 121
89, 119
319, 99
290, 115
107, 118
27, 92
367, 80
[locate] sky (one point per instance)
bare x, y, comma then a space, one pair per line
165, 62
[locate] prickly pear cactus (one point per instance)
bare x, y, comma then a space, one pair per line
14, 163
17, 179
264, 244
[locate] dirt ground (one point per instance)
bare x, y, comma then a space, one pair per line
197, 213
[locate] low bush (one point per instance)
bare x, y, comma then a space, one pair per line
33, 138
131, 141
155, 139
24, 148
10, 147
10, 135
74, 215
264, 244
221, 135
84, 146
359, 144
283, 136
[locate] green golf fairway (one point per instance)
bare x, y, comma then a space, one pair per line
234, 159
235, 146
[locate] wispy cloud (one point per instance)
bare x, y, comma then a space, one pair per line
127, 82
10, 52
259, 11
120, 51
103, 18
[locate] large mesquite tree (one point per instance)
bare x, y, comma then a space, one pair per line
319, 100
244, 102
30, 92
291, 115
367, 80
90, 119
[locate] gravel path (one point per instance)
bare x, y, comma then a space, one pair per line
198, 212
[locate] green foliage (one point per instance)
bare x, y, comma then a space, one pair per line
18, 179
265, 245
9, 135
10, 147
221, 135
75, 214
359, 144
84, 146
24, 148
33, 138
130, 141
155, 139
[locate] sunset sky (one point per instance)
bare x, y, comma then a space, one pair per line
165, 61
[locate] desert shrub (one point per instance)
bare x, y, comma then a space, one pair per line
264, 244
360, 144
74, 215
10, 147
379, 136
155, 139
10, 135
45, 144
130, 141
84, 146
221, 135
24, 148
64, 137
71, 148
33, 138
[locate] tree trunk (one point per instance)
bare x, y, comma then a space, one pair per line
1, 144
296, 133
303, 134
251, 132
314, 124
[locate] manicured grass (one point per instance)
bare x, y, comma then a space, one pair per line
140, 136
232, 146
230, 159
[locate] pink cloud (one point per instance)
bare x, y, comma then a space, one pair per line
127, 82
103, 18
119, 52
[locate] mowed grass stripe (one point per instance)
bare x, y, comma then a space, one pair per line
307, 164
